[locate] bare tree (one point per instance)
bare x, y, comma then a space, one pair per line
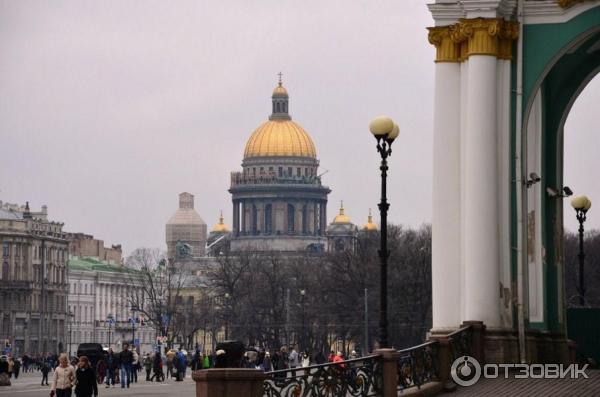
156, 292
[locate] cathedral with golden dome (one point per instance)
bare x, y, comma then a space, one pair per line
279, 202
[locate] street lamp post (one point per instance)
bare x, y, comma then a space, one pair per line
70, 315
385, 131
303, 336
227, 314
581, 204
109, 319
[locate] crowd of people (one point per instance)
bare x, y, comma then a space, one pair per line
83, 374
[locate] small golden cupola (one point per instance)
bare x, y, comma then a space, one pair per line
220, 227
370, 226
341, 217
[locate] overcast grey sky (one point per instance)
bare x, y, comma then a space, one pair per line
108, 110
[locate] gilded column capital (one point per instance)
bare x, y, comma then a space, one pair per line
477, 36
447, 49
481, 35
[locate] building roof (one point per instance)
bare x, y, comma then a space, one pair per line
6, 214
280, 138
93, 264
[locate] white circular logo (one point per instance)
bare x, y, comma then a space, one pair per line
465, 371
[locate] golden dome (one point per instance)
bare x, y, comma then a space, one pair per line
280, 138
370, 226
341, 217
220, 227
280, 90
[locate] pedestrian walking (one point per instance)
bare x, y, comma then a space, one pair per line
134, 366
4, 378
16, 367
158, 368
45, 368
63, 379
112, 363
125, 360
11, 366
86, 385
148, 365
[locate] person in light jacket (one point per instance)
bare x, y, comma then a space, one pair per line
63, 379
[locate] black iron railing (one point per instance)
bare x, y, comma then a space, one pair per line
359, 377
417, 365
460, 341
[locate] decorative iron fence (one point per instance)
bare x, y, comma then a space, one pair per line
359, 377
417, 365
460, 341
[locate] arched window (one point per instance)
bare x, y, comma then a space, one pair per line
291, 211
5, 271
254, 219
268, 219
278, 107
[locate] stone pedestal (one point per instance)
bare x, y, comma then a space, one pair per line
229, 382
389, 359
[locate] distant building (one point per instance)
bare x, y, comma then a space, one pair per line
83, 245
33, 280
185, 232
341, 233
96, 289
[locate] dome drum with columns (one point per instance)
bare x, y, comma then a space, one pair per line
279, 202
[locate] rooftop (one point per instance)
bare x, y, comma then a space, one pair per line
93, 264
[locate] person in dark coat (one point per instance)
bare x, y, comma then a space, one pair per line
45, 368
86, 379
157, 368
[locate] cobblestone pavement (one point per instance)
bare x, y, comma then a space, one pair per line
534, 387
28, 385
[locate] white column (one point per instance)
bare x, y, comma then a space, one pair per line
481, 194
445, 267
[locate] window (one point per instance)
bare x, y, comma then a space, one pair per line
290, 171
298, 171
278, 107
291, 218
5, 271
254, 219
280, 171
5, 249
268, 219
305, 220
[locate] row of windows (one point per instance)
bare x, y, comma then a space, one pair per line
52, 254
291, 219
308, 171
279, 107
